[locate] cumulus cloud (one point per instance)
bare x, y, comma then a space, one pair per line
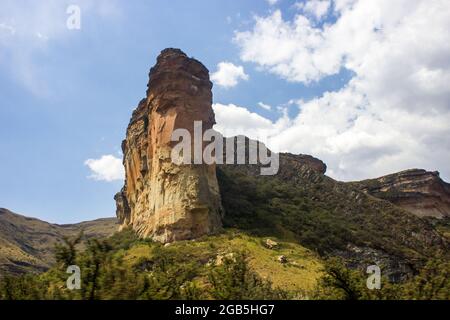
316, 8
394, 114
243, 121
228, 74
233, 120
106, 168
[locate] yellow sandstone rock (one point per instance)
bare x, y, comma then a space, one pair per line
160, 199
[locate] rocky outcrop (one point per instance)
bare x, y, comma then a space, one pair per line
302, 162
421, 192
160, 199
289, 165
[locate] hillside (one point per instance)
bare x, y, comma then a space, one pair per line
26, 244
230, 265
301, 204
299, 273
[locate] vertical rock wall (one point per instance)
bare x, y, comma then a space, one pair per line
160, 199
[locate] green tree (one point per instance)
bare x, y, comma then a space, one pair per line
432, 282
66, 253
339, 282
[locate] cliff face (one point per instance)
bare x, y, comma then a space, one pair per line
160, 199
421, 192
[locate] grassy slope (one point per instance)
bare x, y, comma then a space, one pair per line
299, 274
26, 244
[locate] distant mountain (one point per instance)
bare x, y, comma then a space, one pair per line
26, 244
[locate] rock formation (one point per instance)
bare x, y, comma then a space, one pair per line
421, 192
289, 165
160, 199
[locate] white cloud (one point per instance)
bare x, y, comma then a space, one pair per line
394, 114
316, 8
272, 2
288, 49
107, 168
242, 120
228, 74
233, 120
264, 106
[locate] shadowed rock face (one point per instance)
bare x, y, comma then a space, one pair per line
160, 199
421, 192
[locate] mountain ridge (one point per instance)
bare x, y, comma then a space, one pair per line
27, 243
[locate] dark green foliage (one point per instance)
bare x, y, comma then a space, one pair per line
341, 283
92, 264
168, 274
433, 282
323, 215
171, 275
124, 239
65, 254
23, 288
267, 206
327, 216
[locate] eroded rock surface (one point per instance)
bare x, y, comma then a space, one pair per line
160, 199
421, 192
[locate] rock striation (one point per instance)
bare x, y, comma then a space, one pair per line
419, 191
160, 199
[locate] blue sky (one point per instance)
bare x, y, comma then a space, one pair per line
67, 95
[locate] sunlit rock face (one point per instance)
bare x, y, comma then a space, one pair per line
160, 199
421, 192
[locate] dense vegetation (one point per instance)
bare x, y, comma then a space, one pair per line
326, 216
124, 267
340, 282
106, 273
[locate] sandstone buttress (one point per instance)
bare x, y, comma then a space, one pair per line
160, 199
